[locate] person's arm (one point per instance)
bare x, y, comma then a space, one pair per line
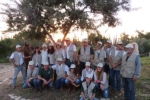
79, 56
12, 61
67, 70
53, 67
82, 77
74, 53
104, 78
138, 67
92, 54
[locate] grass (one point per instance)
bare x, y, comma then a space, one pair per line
4, 60
142, 89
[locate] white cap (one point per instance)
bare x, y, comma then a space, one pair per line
59, 59
18, 46
88, 76
119, 42
50, 44
73, 66
87, 64
109, 41
99, 42
31, 63
129, 46
100, 65
45, 63
58, 43
44, 45
67, 39
85, 40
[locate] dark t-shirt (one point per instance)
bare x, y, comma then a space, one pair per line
46, 74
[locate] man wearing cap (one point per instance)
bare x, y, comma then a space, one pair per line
62, 70
130, 71
115, 59
16, 59
32, 73
88, 89
86, 71
85, 54
70, 51
45, 76
99, 55
44, 54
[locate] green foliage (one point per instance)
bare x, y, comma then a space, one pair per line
38, 18
145, 61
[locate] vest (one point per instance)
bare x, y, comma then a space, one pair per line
99, 58
85, 55
88, 90
107, 54
128, 67
16, 58
89, 72
58, 54
32, 73
70, 52
39, 59
116, 59
51, 58
60, 73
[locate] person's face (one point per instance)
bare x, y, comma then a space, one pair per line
87, 67
37, 50
31, 66
72, 69
50, 47
133, 46
85, 43
18, 49
108, 44
99, 45
129, 50
44, 48
59, 62
67, 42
99, 69
88, 80
58, 46
46, 67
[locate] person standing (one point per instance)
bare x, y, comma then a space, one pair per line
44, 54
70, 51
16, 59
32, 73
130, 71
99, 55
51, 54
115, 59
85, 54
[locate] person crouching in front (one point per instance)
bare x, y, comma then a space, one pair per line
101, 82
32, 73
88, 89
45, 76
72, 78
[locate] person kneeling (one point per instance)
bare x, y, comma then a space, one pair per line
72, 77
32, 73
45, 77
101, 82
88, 89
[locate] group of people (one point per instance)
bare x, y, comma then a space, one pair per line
100, 68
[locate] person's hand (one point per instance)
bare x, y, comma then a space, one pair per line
15, 65
45, 82
102, 86
78, 62
134, 79
29, 84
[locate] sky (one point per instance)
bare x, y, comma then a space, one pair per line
130, 21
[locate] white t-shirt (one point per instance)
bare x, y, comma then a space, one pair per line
74, 49
44, 56
20, 56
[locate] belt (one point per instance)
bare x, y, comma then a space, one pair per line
22, 64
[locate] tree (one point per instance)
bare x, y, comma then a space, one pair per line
39, 18
125, 38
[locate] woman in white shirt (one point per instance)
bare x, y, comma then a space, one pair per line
51, 54
101, 82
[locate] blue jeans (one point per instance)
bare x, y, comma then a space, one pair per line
129, 90
16, 72
60, 83
40, 84
81, 98
33, 83
115, 74
68, 62
105, 91
77, 81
